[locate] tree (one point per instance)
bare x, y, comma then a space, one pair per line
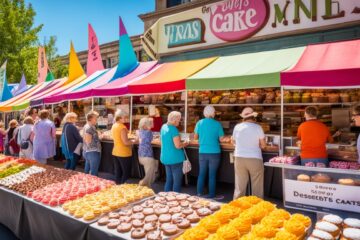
18, 39
56, 66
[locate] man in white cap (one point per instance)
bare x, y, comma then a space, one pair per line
249, 139
210, 133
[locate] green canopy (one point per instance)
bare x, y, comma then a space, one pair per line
250, 70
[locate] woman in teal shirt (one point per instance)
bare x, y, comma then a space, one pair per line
172, 154
210, 133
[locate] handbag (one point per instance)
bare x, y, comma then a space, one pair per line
186, 164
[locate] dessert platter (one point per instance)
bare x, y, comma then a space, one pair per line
164, 216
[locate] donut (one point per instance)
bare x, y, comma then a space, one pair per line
187, 211
164, 218
169, 229
138, 233
173, 204
175, 210
125, 219
148, 211
103, 221
202, 212
154, 235
151, 218
113, 223
193, 218
136, 223
124, 227
114, 215
138, 215
125, 212
159, 211
150, 226
137, 209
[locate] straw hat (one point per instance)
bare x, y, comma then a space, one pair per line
248, 112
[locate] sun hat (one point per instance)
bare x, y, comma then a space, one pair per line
209, 111
248, 112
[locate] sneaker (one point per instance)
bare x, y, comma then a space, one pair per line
218, 197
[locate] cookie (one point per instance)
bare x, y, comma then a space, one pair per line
193, 218
164, 218
124, 227
138, 233
148, 211
150, 226
103, 221
137, 209
154, 235
113, 223
202, 212
138, 215
136, 223
113, 215
151, 218
169, 229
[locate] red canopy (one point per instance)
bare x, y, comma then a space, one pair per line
326, 65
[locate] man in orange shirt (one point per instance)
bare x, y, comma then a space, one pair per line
313, 135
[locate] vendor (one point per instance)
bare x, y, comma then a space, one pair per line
356, 119
313, 136
157, 121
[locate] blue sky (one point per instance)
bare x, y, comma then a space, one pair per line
68, 19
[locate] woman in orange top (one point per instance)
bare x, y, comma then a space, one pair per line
314, 135
122, 150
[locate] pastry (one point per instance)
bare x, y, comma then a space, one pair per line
352, 223
334, 219
148, 211
164, 218
187, 211
301, 218
124, 227
211, 224
125, 212
161, 200
214, 206
184, 203
175, 216
328, 227
175, 210
346, 181
264, 231
150, 226
202, 212
137, 209
193, 218
320, 177
280, 213
183, 223
151, 218
322, 235
351, 234
273, 222
169, 229
196, 205
170, 198
89, 216
228, 233
192, 199
125, 219
136, 223
295, 228
154, 235
103, 221
303, 178
285, 235
113, 223
138, 215
161, 210
181, 197
114, 215
173, 204
138, 233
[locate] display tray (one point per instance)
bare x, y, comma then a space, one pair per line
127, 235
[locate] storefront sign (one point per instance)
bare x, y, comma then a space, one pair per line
321, 197
232, 21
185, 33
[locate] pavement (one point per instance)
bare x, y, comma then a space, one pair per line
227, 191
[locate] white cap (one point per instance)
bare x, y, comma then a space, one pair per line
248, 112
209, 111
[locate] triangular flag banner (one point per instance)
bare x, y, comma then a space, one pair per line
4, 88
49, 77
75, 69
127, 57
42, 65
94, 61
21, 87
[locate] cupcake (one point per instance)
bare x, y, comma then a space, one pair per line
322, 235
334, 219
211, 224
264, 231
328, 227
295, 228
285, 235
280, 213
351, 234
242, 225
301, 218
228, 233
352, 223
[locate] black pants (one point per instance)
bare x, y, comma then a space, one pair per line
122, 169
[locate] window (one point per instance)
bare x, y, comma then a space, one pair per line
172, 3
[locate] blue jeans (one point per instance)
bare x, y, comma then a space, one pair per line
211, 162
174, 176
315, 161
92, 162
71, 164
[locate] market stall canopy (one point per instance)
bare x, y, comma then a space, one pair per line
119, 86
250, 70
168, 77
7, 105
24, 103
68, 88
326, 65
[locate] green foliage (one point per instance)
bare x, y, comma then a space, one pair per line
19, 42
56, 66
